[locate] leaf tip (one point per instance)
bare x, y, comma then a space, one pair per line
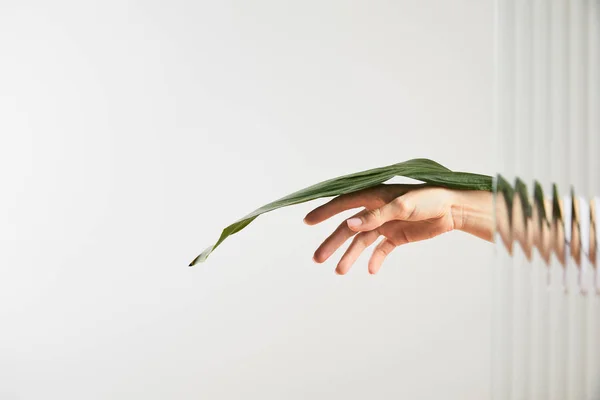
202, 256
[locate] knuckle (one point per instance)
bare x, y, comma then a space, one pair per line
374, 214
404, 208
383, 250
399, 202
361, 240
403, 237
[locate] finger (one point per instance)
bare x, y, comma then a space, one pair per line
334, 241
401, 208
383, 249
368, 198
358, 245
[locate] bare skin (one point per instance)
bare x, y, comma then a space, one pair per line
410, 213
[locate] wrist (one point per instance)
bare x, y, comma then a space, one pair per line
472, 212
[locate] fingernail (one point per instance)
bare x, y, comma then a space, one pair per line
354, 222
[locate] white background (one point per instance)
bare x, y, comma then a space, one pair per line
131, 133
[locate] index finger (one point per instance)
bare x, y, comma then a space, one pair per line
369, 198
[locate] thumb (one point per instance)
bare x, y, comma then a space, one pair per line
398, 209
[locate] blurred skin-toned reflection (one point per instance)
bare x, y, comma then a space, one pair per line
593, 234
403, 214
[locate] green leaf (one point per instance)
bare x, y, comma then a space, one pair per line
557, 215
507, 191
538, 195
421, 169
521, 190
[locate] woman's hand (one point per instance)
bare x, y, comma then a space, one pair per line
401, 214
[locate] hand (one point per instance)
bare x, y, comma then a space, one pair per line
401, 214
